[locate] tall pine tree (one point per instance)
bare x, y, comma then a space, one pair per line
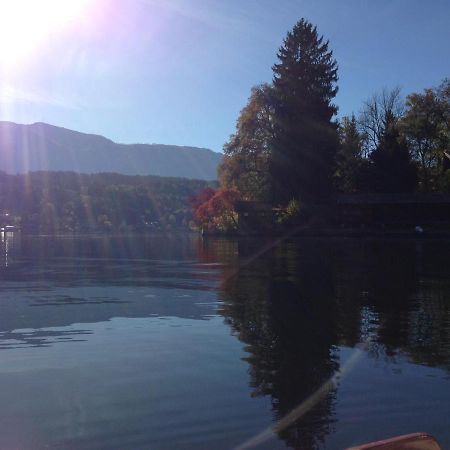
392, 168
306, 139
349, 161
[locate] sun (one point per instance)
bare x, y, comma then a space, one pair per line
25, 24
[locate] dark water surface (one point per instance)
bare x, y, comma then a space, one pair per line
174, 342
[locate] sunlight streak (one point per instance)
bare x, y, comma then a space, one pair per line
308, 404
25, 24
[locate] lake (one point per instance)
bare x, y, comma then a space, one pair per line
177, 342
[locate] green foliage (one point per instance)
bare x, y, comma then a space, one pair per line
305, 140
287, 144
426, 126
58, 202
246, 154
392, 169
349, 159
293, 208
291, 214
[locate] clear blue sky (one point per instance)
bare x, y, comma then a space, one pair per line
179, 71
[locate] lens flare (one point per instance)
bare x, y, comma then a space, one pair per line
25, 24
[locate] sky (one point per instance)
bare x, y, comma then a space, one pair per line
179, 71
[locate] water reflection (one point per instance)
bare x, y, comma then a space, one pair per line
296, 304
281, 306
9, 244
406, 287
54, 282
39, 338
159, 310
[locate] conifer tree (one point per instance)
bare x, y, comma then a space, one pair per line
349, 161
392, 170
306, 140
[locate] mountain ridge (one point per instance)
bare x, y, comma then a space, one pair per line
45, 147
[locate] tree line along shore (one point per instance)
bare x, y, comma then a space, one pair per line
292, 161
68, 202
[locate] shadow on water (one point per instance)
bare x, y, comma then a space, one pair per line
281, 306
400, 292
298, 303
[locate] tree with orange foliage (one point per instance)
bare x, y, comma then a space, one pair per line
218, 212
202, 197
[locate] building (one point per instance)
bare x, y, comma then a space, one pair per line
255, 217
393, 210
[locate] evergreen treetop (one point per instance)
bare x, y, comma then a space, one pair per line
306, 75
305, 139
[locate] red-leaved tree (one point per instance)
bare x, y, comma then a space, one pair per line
217, 212
202, 197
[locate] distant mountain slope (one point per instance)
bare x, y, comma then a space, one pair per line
41, 146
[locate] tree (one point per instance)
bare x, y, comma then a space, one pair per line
202, 197
373, 117
54, 202
246, 154
426, 126
305, 135
349, 159
392, 168
443, 95
218, 213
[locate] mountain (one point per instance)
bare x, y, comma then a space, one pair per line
44, 147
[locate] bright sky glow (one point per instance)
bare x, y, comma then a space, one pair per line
26, 24
179, 71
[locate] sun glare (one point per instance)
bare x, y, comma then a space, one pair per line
25, 24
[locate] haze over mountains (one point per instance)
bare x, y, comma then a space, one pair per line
40, 146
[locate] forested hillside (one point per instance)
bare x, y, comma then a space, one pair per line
58, 202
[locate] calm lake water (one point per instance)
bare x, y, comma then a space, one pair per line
179, 342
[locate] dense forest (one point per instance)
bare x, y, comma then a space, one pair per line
291, 151
62, 202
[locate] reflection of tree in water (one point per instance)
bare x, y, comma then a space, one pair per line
281, 305
429, 320
374, 282
294, 304
404, 289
